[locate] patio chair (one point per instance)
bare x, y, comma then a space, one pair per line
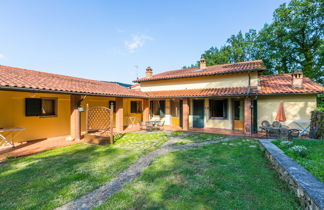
293, 133
284, 132
149, 126
141, 126
265, 123
276, 124
265, 126
160, 125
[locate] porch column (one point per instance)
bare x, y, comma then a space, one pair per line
119, 114
185, 114
146, 110
75, 119
247, 115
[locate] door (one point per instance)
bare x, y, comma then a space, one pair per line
238, 121
175, 113
198, 113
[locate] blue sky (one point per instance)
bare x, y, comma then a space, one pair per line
117, 40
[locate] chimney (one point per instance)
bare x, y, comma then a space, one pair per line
202, 63
149, 72
297, 79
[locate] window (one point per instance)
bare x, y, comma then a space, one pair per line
157, 108
40, 106
112, 103
33, 107
48, 107
218, 108
136, 106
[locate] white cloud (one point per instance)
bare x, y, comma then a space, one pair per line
2, 56
136, 42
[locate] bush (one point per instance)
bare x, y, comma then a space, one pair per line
286, 143
299, 150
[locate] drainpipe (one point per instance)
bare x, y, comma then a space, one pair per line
251, 106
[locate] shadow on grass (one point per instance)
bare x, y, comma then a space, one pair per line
210, 177
52, 178
55, 177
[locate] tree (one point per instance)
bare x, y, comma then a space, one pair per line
293, 41
302, 25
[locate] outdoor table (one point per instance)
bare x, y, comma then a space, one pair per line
304, 125
132, 120
152, 122
12, 133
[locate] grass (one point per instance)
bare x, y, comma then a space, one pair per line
52, 178
314, 159
226, 175
199, 137
176, 133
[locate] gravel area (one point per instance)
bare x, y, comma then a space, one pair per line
101, 194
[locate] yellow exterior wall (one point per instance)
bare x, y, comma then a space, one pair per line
297, 107
215, 122
127, 112
212, 122
104, 101
12, 114
217, 81
94, 101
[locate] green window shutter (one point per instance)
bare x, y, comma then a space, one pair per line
162, 108
33, 106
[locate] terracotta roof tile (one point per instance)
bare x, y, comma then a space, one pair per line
256, 65
234, 91
282, 84
23, 78
270, 85
17, 78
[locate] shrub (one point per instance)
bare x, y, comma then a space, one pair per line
286, 143
299, 150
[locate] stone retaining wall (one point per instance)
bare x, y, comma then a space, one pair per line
308, 189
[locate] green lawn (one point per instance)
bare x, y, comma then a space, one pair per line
226, 175
314, 159
198, 137
50, 179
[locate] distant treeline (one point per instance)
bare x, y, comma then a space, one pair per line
293, 41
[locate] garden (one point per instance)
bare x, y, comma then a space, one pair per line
228, 173
308, 153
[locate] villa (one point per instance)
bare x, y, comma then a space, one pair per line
228, 97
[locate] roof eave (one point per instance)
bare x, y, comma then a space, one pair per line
198, 75
10, 88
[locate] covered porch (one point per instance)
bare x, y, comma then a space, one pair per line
227, 115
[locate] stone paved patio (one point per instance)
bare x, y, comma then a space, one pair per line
34, 147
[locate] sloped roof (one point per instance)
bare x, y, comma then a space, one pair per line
256, 65
210, 92
23, 79
282, 84
18, 78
